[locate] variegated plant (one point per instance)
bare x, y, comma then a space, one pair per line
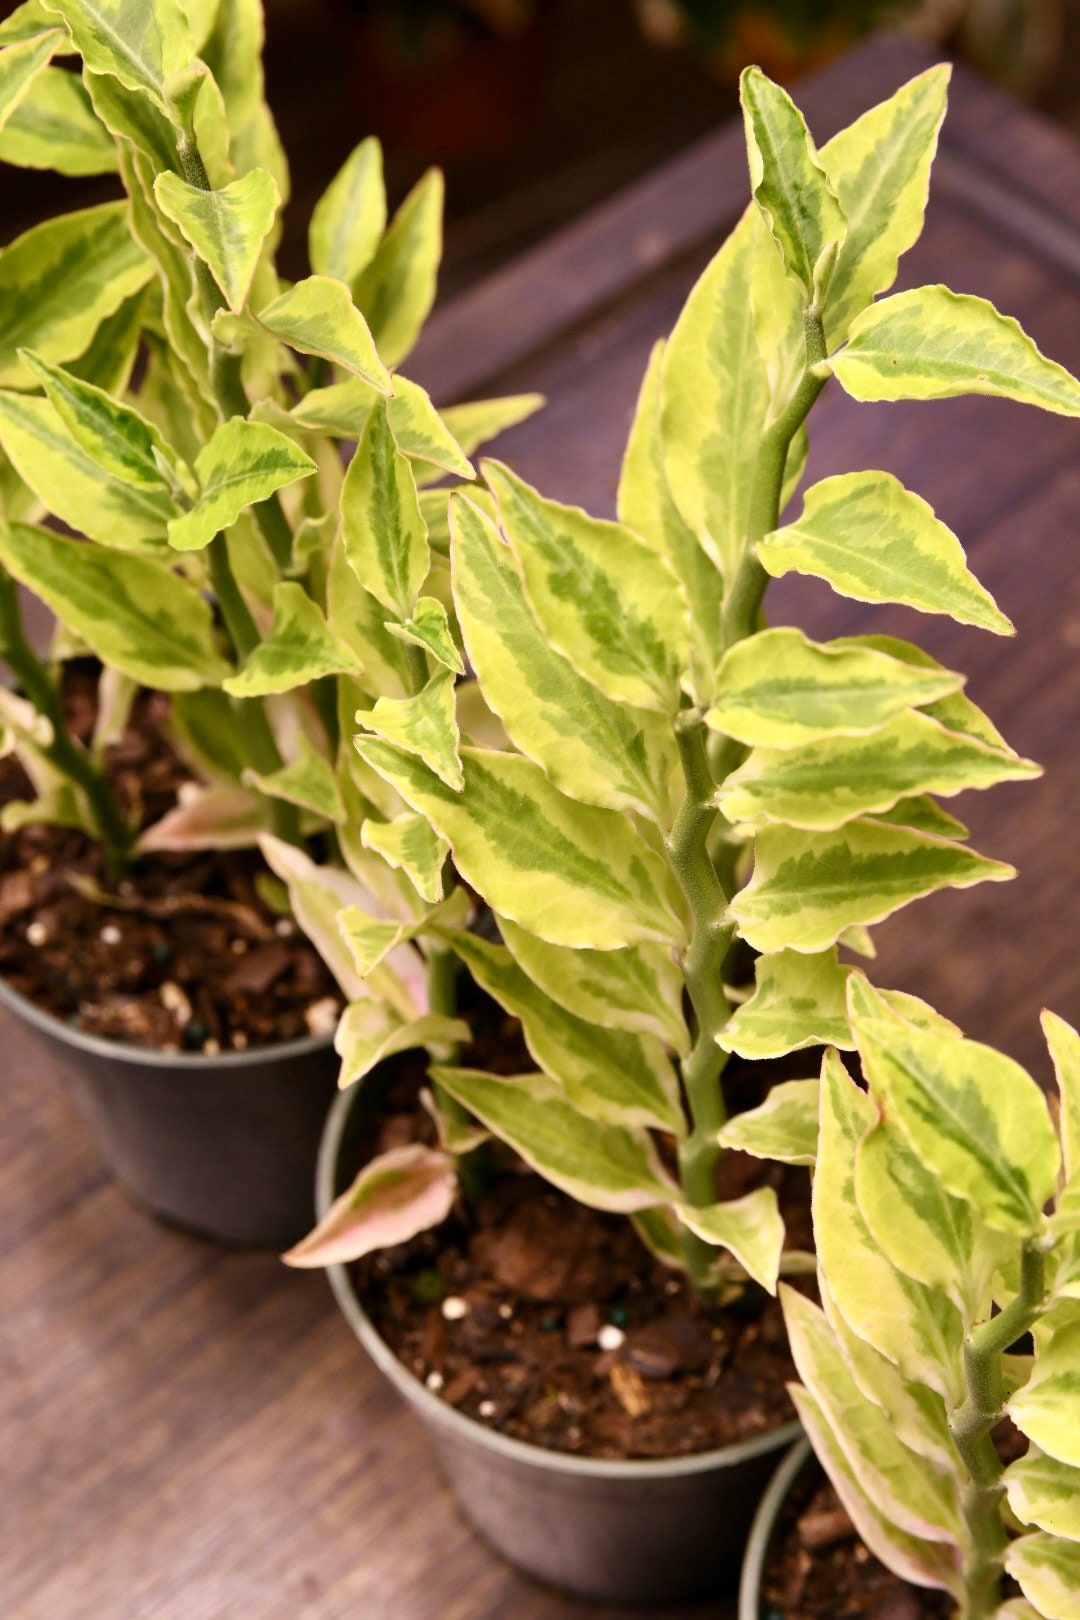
181, 409
946, 1216
675, 787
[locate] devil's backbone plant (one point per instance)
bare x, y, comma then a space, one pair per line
677, 787
946, 1216
183, 412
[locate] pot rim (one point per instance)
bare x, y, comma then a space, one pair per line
151, 1057
764, 1527
447, 1418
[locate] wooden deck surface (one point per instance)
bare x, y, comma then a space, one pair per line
191, 1435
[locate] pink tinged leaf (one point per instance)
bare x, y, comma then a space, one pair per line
217, 817
403, 1192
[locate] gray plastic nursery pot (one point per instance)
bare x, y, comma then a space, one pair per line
764, 1529
223, 1146
650, 1532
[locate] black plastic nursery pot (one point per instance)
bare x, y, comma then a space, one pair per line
643, 1532
764, 1529
221, 1145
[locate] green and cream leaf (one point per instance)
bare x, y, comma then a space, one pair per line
876, 541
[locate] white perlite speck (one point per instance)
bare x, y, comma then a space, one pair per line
610, 1337
454, 1309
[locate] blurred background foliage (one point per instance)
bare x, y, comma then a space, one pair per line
538, 109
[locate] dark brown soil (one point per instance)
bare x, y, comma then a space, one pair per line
183, 954
552, 1323
820, 1570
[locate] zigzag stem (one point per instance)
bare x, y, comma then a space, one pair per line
971, 1426
688, 842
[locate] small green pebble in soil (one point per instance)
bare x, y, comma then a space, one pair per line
162, 952
428, 1287
196, 1033
548, 1324
619, 1316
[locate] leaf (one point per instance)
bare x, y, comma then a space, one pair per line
397, 289
790, 185
341, 409
384, 535
306, 780
1064, 1044
402, 1192
808, 887
360, 621
131, 612
348, 219
481, 420
798, 1001
602, 1166
715, 400
369, 1033
244, 463
601, 597
424, 725
109, 358
318, 895
913, 1559
928, 1235
570, 873
317, 316
917, 1414
421, 433
226, 228
299, 649
1047, 1408
784, 1127
955, 711
918, 1500
60, 280
638, 988
647, 506
221, 816
875, 541
73, 487
931, 343
20, 65
411, 845
428, 626
828, 783
779, 690
114, 435
973, 1117
371, 939
592, 748
920, 1331
922, 814
1045, 1493
750, 1228
142, 45
1047, 1570
234, 55
879, 168
610, 1075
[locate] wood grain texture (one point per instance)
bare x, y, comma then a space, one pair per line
189, 1435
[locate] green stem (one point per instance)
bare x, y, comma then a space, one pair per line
63, 752
688, 841
972, 1426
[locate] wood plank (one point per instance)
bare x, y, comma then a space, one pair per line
189, 1435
